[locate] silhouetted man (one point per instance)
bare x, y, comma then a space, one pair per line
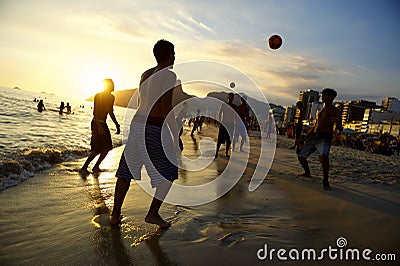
226, 116
320, 136
101, 142
243, 111
149, 143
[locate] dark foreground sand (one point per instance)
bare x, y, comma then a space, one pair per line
60, 218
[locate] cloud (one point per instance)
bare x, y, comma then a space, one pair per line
182, 25
127, 30
299, 63
123, 32
280, 75
198, 24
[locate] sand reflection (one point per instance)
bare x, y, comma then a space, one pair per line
112, 242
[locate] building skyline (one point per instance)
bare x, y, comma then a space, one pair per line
360, 115
391, 104
308, 97
354, 110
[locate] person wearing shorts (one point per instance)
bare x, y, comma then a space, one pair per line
298, 141
243, 111
320, 136
100, 142
153, 137
226, 116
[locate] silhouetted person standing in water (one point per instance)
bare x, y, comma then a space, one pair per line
68, 108
61, 108
226, 116
320, 136
40, 106
100, 142
149, 142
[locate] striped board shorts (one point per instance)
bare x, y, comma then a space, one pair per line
317, 141
150, 146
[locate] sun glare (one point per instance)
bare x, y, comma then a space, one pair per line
92, 81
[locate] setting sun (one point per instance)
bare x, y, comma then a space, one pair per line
91, 81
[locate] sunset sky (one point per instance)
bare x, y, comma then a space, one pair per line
68, 47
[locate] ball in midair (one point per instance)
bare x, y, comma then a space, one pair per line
275, 42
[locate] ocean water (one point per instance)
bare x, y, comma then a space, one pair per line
31, 141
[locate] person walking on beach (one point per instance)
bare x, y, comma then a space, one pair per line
270, 124
320, 136
241, 125
226, 116
180, 121
101, 142
197, 123
40, 106
298, 141
149, 142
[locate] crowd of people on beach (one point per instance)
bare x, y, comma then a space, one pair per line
379, 143
149, 145
230, 127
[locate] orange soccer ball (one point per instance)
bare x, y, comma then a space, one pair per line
275, 42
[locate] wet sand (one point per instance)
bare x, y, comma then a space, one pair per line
58, 217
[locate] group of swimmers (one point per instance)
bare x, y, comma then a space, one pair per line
41, 107
62, 107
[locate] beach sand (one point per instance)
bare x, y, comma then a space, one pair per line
60, 218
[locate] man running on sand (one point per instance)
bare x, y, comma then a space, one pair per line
320, 136
149, 143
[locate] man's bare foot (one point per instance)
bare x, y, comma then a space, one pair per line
326, 186
115, 220
97, 170
305, 174
157, 220
84, 172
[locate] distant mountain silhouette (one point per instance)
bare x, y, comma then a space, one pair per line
123, 97
258, 105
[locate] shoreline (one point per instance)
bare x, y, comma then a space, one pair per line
64, 218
